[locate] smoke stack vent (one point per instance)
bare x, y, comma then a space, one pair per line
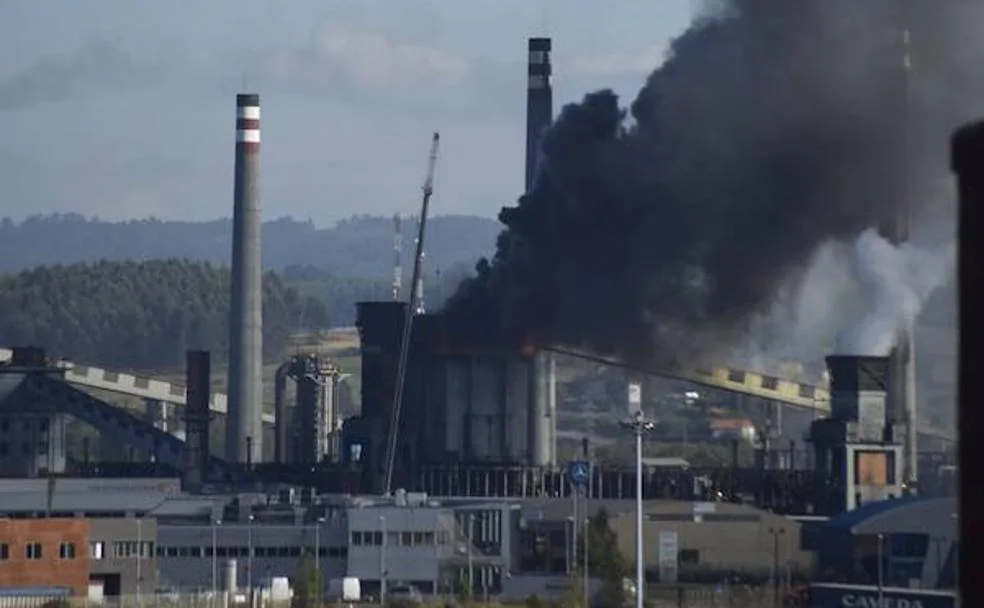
197, 417
244, 426
859, 389
539, 103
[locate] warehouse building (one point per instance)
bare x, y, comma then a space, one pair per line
906, 542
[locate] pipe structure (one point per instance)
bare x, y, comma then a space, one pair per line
244, 425
280, 422
967, 161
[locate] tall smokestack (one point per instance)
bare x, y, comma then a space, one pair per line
902, 407
244, 426
539, 103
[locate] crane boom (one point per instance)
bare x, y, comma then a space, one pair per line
401, 367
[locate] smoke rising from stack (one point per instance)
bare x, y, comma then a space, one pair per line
663, 232
898, 280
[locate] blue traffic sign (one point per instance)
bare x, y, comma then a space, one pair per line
579, 471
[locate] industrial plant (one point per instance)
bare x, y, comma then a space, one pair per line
451, 470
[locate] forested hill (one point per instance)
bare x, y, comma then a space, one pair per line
140, 315
358, 247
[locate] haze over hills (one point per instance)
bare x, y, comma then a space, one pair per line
361, 246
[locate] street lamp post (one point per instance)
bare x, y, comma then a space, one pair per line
215, 563
776, 534
249, 559
639, 425
587, 544
881, 574
382, 562
471, 563
139, 558
317, 553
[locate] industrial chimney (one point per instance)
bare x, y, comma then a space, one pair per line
244, 425
539, 103
197, 417
541, 427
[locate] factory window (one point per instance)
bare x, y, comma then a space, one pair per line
357, 539
770, 383
97, 550
689, 557
4, 551
66, 551
736, 376
43, 425
407, 540
806, 392
133, 549
377, 538
33, 551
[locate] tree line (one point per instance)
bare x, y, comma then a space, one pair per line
142, 315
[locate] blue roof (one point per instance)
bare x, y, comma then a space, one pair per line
847, 521
35, 592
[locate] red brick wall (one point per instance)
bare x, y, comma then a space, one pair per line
51, 569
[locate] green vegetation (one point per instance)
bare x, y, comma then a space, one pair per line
140, 315
308, 588
361, 246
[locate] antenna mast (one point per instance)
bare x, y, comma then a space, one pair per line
401, 369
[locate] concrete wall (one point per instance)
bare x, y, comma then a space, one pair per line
417, 560
186, 561
722, 536
63, 559
124, 547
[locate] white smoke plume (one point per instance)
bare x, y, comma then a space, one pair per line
898, 281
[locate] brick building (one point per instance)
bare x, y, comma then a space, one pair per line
45, 553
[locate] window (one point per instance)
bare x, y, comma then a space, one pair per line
32, 551
97, 550
4, 425
4, 551
690, 557
43, 425
770, 383
407, 539
357, 539
66, 551
4, 448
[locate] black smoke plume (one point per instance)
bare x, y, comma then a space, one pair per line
659, 232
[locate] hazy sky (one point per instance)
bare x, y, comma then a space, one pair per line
124, 108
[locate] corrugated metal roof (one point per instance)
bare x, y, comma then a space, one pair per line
848, 521
81, 501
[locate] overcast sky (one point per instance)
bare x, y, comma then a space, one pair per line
125, 108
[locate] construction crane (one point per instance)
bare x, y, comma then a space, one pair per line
401, 368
